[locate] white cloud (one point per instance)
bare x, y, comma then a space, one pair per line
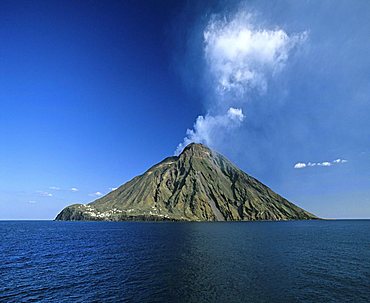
112, 188
44, 193
241, 55
32, 202
300, 165
324, 163
340, 161
207, 127
96, 194
54, 188
74, 189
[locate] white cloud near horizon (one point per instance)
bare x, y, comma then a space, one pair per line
96, 194
112, 188
340, 161
54, 188
206, 127
324, 163
44, 193
57, 188
300, 165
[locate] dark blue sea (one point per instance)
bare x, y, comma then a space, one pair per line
298, 261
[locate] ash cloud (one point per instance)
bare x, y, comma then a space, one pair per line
240, 56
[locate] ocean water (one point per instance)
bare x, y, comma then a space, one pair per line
297, 261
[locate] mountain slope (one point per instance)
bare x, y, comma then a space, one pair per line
198, 185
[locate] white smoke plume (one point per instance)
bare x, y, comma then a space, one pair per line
207, 127
240, 57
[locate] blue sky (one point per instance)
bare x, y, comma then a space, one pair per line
94, 93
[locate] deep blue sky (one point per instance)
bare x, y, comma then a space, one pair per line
93, 93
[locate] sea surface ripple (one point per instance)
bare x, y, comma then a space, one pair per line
296, 261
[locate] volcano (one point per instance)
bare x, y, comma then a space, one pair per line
198, 185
